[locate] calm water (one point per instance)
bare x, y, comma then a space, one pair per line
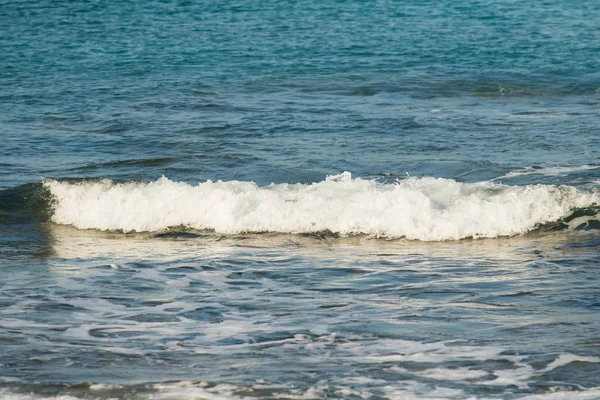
299, 200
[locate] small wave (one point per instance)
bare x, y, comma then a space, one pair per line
428, 209
547, 171
137, 162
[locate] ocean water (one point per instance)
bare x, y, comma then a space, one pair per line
299, 200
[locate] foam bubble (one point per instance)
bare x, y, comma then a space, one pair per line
430, 209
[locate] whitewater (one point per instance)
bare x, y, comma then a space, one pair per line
427, 209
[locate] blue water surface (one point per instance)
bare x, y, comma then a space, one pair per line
288, 92
291, 92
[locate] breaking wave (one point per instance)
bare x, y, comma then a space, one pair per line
428, 209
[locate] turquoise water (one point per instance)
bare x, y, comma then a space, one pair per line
350, 199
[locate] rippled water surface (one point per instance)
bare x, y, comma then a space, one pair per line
301, 200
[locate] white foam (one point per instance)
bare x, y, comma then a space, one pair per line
587, 394
7, 395
515, 376
546, 171
565, 359
103, 386
184, 390
188, 390
582, 221
427, 209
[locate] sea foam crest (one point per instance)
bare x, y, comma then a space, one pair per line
429, 209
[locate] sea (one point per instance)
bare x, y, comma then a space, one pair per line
317, 199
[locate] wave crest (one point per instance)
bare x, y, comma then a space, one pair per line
429, 209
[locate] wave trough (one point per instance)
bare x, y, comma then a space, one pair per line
428, 209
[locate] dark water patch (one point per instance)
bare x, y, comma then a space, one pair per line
122, 301
322, 235
590, 225
552, 226
62, 120
591, 211
586, 242
152, 318
519, 294
330, 289
370, 85
154, 303
56, 307
147, 162
29, 201
330, 306
244, 284
191, 105
112, 129
178, 235
483, 304
133, 163
206, 314
184, 269
448, 295
108, 333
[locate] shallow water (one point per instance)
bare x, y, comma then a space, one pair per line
103, 315
299, 200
